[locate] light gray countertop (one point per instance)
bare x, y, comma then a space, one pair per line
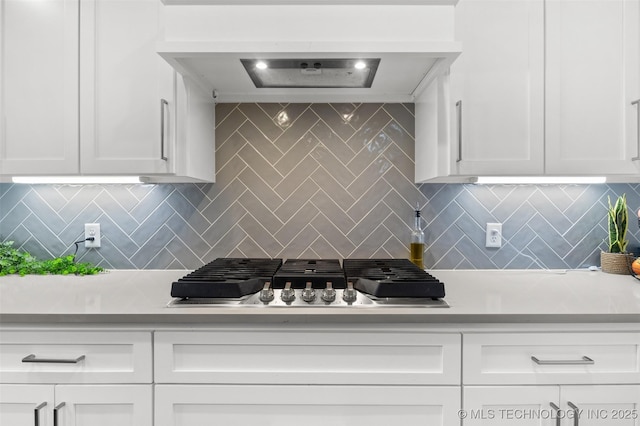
487, 296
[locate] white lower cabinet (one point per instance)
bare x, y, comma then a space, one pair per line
559, 379
311, 405
551, 358
552, 405
26, 405
289, 376
104, 405
76, 405
295, 356
602, 405
81, 377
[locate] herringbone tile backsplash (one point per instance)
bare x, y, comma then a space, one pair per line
313, 181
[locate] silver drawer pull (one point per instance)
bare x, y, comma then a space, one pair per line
459, 113
36, 412
163, 105
555, 407
584, 361
56, 409
576, 413
33, 358
637, 104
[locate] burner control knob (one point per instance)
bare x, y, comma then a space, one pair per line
266, 294
328, 294
349, 295
308, 294
288, 294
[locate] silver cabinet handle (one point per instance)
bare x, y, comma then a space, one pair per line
576, 412
55, 413
459, 113
34, 358
163, 104
584, 361
637, 104
36, 412
555, 407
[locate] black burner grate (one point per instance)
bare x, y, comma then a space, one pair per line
226, 278
316, 271
392, 278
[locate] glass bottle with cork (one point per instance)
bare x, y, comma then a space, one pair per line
416, 246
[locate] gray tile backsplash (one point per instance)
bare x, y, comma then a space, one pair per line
314, 180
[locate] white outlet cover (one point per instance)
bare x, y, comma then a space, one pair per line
92, 230
493, 235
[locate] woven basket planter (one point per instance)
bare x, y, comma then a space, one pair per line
616, 263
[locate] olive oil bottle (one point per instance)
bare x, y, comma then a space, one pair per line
417, 242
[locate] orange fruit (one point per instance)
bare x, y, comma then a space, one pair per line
636, 266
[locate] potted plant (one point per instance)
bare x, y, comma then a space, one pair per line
616, 260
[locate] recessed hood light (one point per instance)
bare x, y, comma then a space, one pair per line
360, 65
311, 73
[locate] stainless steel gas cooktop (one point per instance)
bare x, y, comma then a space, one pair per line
256, 282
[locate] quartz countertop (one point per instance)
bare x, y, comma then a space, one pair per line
474, 296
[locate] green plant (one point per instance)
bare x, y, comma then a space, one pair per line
13, 261
618, 223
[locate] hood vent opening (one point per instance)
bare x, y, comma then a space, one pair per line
312, 73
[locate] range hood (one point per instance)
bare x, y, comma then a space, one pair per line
318, 53
312, 73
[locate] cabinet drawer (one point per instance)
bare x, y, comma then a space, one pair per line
244, 405
551, 358
75, 357
307, 357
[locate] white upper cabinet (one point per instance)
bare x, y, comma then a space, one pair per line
38, 87
592, 78
126, 90
497, 88
84, 92
543, 87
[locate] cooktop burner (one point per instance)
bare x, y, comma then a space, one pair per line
299, 272
391, 278
226, 278
308, 282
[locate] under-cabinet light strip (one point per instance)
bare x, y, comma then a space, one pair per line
539, 180
76, 180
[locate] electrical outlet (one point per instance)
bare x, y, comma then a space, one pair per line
92, 230
494, 235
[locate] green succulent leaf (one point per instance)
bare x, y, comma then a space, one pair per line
617, 219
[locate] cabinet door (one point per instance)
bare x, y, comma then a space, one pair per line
602, 405
509, 405
125, 127
38, 87
497, 88
26, 405
204, 405
86, 405
592, 76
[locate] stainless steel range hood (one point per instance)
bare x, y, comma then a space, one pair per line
312, 73
310, 51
